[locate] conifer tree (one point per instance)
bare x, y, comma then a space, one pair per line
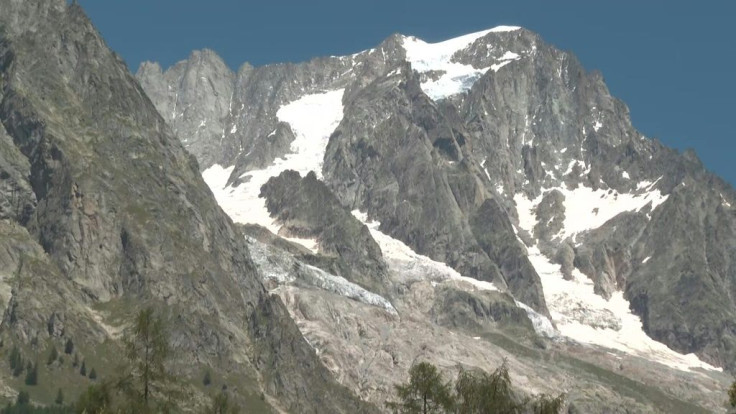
32, 375
53, 355
147, 349
425, 393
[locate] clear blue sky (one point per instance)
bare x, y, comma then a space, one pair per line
673, 62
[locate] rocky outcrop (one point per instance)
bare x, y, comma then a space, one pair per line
306, 208
105, 212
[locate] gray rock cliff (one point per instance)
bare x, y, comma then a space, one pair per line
103, 212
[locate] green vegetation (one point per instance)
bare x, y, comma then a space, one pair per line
480, 392
97, 399
732, 394
23, 406
546, 404
53, 356
221, 405
32, 375
143, 384
475, 393
425, 393
16, 361
147, 350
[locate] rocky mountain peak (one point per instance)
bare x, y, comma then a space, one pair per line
499, 157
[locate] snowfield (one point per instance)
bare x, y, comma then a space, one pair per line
587, 209
312, 118
455, 77
408, 265
576, 310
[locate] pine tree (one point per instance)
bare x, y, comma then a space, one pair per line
221, 404
546, 404
425, 393
97, 399
16, 361
483, 392
53, 356
207, 380
32, 375
93, 374
59, 397
83, 370
732, 394
23, 398
69, 346
147, 349
75, 361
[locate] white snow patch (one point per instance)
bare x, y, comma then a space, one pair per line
234, 129
598, 125
485, 170
311, 244
587, 209
542, 325
499, 188
588, 318
570, 167
456, 77
271, 134
725, 202
313, 118
577, 311
509, 56
282, 270
646, 260
496, 66
409, 264
647, 185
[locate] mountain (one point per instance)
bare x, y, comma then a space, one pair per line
517, 211
104, 212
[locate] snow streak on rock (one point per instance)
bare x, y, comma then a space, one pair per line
312, 118
285, 270
409, 265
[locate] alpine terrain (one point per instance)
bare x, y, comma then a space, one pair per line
468, 201
103, 212
308, 232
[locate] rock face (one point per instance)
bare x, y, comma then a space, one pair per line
469, 149
307, 208
103, 211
